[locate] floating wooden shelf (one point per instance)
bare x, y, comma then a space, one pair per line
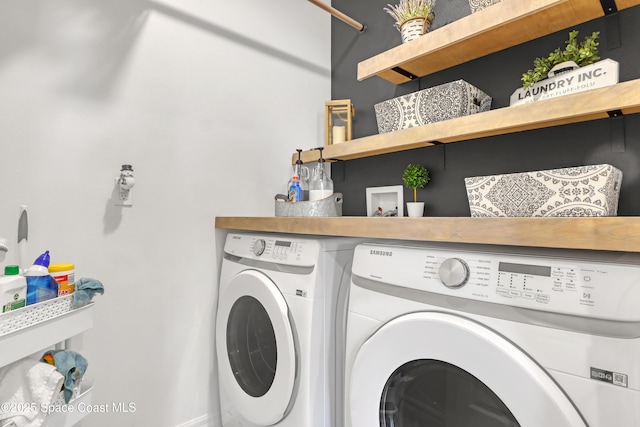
601, 233
580, 107
495, 28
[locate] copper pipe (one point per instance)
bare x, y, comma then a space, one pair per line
341, 16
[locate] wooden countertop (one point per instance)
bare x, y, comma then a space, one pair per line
601, 233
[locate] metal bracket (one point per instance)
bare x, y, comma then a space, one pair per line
617, 131
611, 23
404, 73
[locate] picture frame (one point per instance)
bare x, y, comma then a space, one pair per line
387, 198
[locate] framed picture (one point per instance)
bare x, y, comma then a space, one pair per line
385, 201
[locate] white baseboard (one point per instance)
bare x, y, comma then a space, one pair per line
202, 421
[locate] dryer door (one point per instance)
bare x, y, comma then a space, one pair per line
434, 369
256, 348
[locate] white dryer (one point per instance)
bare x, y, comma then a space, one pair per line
275, 329
471, 335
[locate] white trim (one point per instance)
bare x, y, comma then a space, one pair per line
201, 421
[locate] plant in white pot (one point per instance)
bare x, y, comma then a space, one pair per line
414, 177
575, 55
413, 17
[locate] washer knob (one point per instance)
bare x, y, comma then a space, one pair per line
453, 272
258, 247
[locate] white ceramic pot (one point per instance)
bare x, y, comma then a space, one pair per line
415, 209
414, 28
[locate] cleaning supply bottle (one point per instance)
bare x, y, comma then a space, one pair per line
295, 189
13, 289
303, 177
321, 185
40, 285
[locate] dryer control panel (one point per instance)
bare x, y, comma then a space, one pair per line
290, 251
579, 284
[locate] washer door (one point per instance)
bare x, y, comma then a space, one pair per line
256, 348
433, 369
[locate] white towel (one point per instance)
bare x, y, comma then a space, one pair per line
26, 386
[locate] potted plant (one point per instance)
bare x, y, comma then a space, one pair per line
413, 17
414, 177
575, 54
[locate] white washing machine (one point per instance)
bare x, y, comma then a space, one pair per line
452, 335
275, 329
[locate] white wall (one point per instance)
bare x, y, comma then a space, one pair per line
207, 100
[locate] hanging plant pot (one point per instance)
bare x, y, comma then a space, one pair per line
414, 28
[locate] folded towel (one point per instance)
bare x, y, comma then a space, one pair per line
70, 364
25, 387
85, 289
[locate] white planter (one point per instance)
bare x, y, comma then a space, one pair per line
414, 28
602, 73
415, 209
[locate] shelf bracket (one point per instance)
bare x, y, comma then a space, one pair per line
404, 73
617, 131
611, 23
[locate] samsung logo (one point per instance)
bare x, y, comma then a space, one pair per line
380, 253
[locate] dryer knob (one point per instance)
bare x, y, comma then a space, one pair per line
258, 247
454, 272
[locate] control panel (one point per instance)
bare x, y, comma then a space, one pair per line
580, 286
279, 250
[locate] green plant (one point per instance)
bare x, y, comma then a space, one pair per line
409, 9
583, 53
414, 177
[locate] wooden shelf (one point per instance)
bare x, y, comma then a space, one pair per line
495, 28
601, 233
580, 107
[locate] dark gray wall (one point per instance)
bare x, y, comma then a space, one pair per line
498, 75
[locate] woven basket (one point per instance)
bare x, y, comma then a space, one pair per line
30, 315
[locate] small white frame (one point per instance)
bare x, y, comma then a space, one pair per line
385, 197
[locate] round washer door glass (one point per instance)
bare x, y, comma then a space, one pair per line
389, 370
256, 348
252, 347
432, 393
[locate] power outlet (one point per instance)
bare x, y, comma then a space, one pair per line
124, 196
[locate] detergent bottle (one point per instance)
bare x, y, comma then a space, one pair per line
40, 285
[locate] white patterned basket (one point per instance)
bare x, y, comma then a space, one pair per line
30, 315
58, 400
434, 104
570, 192
477, 5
